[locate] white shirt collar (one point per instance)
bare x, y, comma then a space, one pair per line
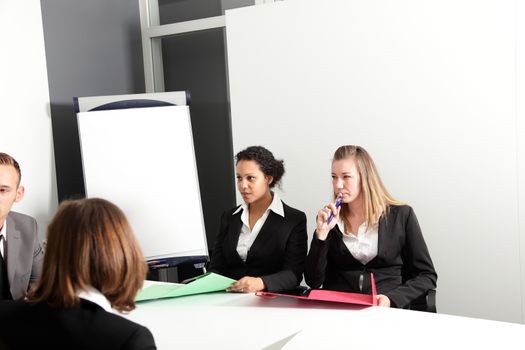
3, 232
363, 227
362, 244
276, 206
93, 295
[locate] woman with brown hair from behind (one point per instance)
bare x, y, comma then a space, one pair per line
93, 267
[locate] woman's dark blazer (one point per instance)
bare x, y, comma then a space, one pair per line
403, 269
86, 326
277, 255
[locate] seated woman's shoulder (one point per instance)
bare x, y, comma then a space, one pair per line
400, 209
230, 211
7, 307
293, 211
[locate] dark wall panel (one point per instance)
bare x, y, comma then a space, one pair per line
94, 48
196, 62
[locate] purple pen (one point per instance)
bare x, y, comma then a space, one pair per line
337, 205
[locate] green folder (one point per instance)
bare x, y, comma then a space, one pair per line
209, 282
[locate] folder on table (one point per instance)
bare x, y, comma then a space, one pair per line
207, 283
331, 295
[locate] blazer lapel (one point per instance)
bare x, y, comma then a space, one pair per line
381, 239
13, 248
232, 238
268, 231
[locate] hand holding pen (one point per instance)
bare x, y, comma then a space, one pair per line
325, 218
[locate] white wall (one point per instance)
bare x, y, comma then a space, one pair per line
429, 88
520, 134
25, 122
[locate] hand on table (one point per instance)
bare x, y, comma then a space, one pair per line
382, 300
247, 284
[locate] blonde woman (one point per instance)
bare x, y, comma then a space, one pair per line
369, 232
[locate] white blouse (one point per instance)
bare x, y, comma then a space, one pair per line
362, 246
247, 236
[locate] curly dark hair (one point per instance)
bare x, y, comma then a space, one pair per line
266, 161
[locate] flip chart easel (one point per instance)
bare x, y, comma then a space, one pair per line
137, 151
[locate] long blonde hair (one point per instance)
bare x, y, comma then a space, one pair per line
376, 198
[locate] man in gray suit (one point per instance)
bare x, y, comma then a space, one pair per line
21, 253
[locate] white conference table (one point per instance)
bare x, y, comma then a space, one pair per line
246, 321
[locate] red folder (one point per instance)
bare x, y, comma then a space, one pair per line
331, 295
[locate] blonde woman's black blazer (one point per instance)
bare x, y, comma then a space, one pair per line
277, 255
403, 269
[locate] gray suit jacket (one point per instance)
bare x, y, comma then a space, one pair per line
24, 253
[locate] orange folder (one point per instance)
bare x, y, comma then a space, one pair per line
331, 295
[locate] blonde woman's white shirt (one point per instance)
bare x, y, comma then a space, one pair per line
363, 245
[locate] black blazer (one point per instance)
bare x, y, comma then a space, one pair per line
277, 255
403, 269
87, 326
